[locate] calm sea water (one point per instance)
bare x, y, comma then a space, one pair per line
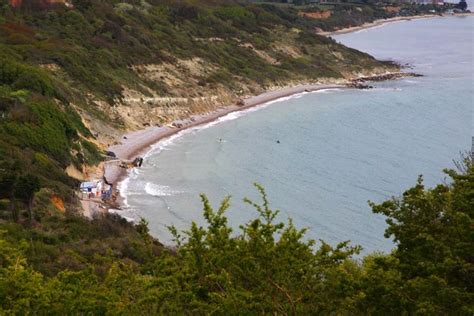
337, 150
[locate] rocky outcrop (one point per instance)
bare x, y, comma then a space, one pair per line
361, 82
384, 77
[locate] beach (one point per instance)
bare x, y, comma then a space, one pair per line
134, 144
320, 155
378, 23
381, 22
137, 143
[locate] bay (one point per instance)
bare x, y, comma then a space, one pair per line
337, 149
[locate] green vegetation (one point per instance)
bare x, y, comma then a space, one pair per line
72, 266
348, 13
95, 43
56, 60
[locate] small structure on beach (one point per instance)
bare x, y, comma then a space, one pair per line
95, 189
137, 162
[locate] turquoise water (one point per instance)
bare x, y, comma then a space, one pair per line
337, 150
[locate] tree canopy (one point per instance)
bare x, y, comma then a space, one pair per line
462, 5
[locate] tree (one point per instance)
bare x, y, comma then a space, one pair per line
266, 268
25, 189
462, 5
433, 232
8, 179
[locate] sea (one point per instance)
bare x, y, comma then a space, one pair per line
322, 156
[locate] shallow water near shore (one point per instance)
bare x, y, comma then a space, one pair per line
337, 149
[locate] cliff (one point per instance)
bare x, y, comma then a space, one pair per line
73, 79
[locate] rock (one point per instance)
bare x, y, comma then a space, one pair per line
357, 85
359, 82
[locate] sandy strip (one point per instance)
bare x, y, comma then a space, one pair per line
137, 143
378, 23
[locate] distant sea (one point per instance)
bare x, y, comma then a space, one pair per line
337, 149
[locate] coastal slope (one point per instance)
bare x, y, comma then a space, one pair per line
75, 78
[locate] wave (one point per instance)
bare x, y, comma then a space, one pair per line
163, 144
382, 89
326, 90
377, 26
159, 190
124, 186
123, 190
282, 99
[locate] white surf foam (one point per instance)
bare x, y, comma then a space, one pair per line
377, 26
381, 89
159, 190
326, 90
127, 214
123, 190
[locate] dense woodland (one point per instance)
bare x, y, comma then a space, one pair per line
53, 261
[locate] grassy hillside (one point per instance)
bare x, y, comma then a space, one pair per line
96, 44
70, 75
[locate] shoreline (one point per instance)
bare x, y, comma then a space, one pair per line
136, 143
382, 22
133, 144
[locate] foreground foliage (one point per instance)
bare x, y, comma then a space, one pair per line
70, 266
